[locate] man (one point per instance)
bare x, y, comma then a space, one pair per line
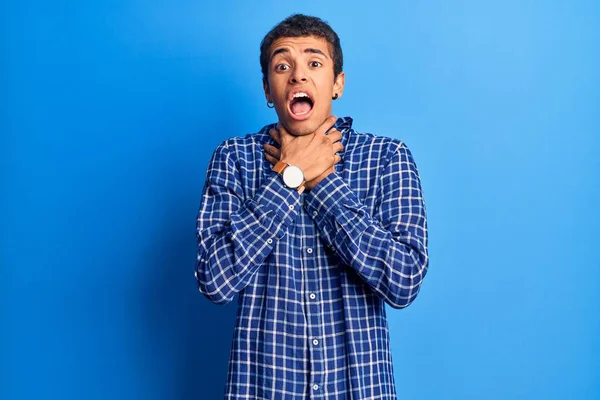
316, 227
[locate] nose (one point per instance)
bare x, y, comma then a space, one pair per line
298, 75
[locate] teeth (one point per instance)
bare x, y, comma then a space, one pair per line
299, 94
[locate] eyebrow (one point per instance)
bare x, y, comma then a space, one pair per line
311, 50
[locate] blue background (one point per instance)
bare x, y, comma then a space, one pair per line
111, 110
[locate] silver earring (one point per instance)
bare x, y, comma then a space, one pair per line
270, 105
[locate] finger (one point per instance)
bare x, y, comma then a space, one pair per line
271, 159
272, 150
334, 135
325, 126
281, 129
275, 135
284, 135
337, 147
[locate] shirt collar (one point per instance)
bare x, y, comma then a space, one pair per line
343, 123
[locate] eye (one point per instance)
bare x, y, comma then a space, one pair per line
315, 64
282, 67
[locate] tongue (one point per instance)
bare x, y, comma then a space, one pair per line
301, 107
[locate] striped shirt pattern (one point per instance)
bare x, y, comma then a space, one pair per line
312, 272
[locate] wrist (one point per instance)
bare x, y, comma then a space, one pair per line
305, 169
291, 175
313, 183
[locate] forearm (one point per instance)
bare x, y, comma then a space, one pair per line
391, 258
234, 237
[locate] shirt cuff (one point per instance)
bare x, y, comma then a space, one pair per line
335, 207
274, 200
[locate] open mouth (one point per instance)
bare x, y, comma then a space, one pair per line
301, 105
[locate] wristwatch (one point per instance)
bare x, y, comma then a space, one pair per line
292, 176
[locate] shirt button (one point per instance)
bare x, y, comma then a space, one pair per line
315, 213
313, 296
291, 206
315, 342
309, 250
269, 240
315, 387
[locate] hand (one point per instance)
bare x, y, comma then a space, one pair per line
273, 154
313, 153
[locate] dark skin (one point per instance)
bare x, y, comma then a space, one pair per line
304, 64
313, 153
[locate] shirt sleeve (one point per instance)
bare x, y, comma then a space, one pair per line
236, 235
389, 249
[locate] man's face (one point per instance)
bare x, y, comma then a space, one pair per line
300, 82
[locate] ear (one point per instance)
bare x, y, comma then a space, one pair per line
338, 85
267, 91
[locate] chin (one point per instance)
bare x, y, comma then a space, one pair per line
302, 128
300, 131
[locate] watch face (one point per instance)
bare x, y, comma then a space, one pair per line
292, 176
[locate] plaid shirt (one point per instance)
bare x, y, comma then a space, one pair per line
313, 271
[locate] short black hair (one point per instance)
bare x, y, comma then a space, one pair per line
298, 25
